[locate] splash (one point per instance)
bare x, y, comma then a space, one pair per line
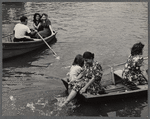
31, 106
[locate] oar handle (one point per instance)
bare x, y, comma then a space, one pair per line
112, 75
46, 43
117, 64
145, 58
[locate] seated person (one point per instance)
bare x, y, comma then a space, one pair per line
22, 31
45, 28
36, 21
132, 73
90, 81
76, 70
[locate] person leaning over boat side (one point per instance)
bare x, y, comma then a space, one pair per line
22, 31
91, 80
36, 21
132, 73
45, 28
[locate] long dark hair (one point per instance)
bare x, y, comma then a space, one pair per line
78, 60
34, 18
137, 49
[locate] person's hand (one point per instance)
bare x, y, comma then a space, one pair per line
35, 31
27, 37
53, 32
82, 90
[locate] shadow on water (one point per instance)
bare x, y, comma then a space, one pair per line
26, 59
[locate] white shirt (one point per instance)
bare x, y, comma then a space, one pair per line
21, 30
75, 70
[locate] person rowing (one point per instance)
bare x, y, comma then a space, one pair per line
45, 28
22, 32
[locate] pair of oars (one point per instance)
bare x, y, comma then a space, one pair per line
57, 57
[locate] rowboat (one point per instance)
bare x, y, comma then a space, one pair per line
114, 88
11, 49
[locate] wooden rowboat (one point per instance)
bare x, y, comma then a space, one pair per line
11, 49
113, 91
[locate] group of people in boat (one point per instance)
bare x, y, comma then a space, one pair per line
85, 74
41, 25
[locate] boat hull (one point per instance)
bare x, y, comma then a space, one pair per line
120, 92
18, 48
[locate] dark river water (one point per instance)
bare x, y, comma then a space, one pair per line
31, 83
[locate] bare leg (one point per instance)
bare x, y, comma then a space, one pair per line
70, 97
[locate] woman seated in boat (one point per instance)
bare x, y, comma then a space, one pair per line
90, 82
45, 28
76, 71
36, 21
22, 31
132, 73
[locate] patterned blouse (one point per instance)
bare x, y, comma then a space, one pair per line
132, 70
90, 71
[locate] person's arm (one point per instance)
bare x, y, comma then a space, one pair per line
97, 75
34, 26
13, 32
50, 27
143, 68
81, 74
38, 26
76, 78
13, 35
87, 85
30, 33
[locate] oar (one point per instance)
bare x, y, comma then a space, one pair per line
57, 57
145, 58
112, 74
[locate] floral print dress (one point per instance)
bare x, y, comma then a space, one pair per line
92, 71
132, 70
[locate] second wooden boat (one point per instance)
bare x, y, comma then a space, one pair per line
11, 49
113, 91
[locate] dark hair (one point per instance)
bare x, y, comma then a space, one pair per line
137, 49
34, 17
88, 55
78, 60
44, 15
23, 18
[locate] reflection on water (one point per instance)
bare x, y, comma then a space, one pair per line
31, 82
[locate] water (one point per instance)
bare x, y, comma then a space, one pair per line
31, 83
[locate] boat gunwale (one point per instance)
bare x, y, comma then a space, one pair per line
30, 42
113, 94
32, 45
